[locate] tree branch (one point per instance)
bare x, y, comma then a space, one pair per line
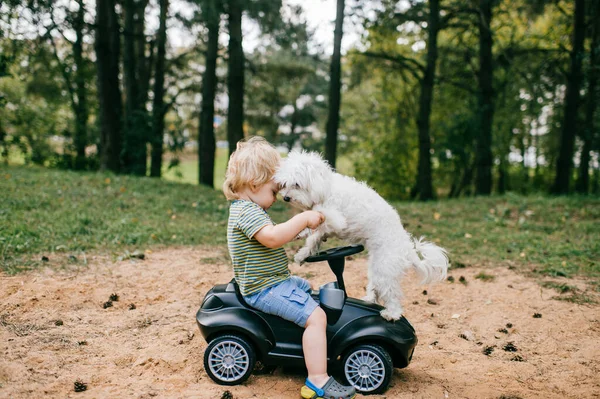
457, 84
415, 67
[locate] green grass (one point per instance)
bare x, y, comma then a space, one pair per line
483, 276
576, 297
560, 287
56, 214
554, 236
574, 294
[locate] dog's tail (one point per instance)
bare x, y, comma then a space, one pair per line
431, 261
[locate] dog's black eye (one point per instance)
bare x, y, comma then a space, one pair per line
296, 185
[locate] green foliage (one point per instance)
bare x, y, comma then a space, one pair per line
287, 85
381, 138
36, 118
529, 63
29, 121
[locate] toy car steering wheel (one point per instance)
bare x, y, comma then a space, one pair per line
335, 253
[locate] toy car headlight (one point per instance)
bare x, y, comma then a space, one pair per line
211, 302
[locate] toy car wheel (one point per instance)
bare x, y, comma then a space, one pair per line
229, 360
368, 368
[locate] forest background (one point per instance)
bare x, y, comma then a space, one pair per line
432, 99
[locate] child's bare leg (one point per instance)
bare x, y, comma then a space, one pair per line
314, 345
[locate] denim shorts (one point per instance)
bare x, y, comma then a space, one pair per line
289, 300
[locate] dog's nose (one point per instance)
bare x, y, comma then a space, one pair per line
286, 198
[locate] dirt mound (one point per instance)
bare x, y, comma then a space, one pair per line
477, 339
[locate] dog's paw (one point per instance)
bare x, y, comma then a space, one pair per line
369, 298
391, 315
300, 257
303, 234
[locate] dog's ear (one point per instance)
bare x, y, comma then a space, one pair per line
319, 174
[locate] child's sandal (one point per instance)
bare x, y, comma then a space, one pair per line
331, 390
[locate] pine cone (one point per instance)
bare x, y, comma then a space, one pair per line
80, 386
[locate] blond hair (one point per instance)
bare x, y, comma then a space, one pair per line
252, 164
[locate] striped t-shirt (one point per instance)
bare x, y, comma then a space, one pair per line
255, 266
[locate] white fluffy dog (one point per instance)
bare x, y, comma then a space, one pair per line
354, 212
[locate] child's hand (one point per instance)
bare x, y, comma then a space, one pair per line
314, 219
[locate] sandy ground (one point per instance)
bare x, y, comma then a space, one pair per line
54, 331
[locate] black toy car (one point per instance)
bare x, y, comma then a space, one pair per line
366, 346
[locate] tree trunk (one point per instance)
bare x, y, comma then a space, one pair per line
294, 119
583, 182
595, 181
536, 167
206, 133
143, 63
81, 109
134, 140
503, 156
158, 105
483, 154
564, 163
424, 185
235, 78
108, 49
466, 184
335, 84
524, 169
4, 145
465, 181
131, 86
503, 174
